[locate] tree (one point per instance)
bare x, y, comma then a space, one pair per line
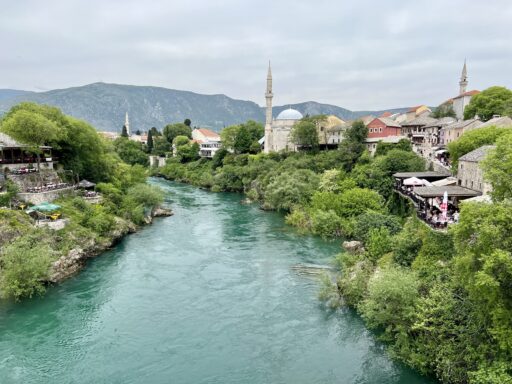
180, 140
33, 128
290, 188
155, 132
383, 148
243, 140
130, 151
161, 146
124, 132
352, 145
444, 110
304, 134
150, 141
472, 140
179, 129
498, 168
187, 122
492, 101
138, 132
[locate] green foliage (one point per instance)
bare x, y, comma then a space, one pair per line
326, 223
367, 222
352, 145
498, 168
379, 243
291, 188
130, 151
304, 133
383, 148
474, 139
444, 110
150, 143
161, 146
242, 138
491, 101
25, 266
408, 243
170, 131
187, 122
391, 300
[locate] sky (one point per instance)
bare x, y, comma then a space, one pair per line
357, 54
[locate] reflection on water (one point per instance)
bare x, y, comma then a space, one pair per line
210, 295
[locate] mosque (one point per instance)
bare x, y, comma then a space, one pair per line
277, 131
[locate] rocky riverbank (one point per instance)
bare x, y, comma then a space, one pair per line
71, 263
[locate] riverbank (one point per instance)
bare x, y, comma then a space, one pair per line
33, 256
414, 286
212, 295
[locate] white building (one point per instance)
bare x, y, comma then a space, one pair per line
209, 141
277, 132
462, 100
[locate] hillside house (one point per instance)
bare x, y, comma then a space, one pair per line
209, 141
470, 174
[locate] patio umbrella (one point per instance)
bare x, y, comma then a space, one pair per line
413, 181
45, 207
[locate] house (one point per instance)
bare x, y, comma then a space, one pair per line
470, 174
497, 121
14, 155
142, 139
461, 102
209, 141
432, 136
330, 131
453, 131
419, 110
415, 129
383, 127
372, 142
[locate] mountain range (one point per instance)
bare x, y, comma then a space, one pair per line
104, 106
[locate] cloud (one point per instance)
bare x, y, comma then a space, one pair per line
357, 54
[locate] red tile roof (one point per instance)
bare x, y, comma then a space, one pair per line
208, 133
468, 93
386, 114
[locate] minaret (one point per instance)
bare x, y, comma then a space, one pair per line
463, 79
127, 124
268, 115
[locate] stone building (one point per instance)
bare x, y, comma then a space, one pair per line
419, 110
415, 129
277, 131
453, 131
330, 131
470, 174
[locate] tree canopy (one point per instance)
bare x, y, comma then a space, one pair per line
492, 101
170, 131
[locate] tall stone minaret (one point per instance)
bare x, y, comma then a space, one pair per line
268, 115
463, 83
127, 124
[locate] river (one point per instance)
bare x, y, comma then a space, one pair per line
209, 295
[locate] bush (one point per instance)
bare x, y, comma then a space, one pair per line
368, 221
25, 266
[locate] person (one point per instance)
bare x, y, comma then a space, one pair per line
456, 216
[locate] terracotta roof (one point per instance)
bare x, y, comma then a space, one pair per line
463, 124
414, 109
386, 114
389, 122
208, 133
468, 93
421, 120
478, 154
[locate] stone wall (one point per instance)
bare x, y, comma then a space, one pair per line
38, 198
471, 176
157, 161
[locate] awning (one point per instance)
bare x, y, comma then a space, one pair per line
45, 207
415, 181
448, 181
453, 191
86, 184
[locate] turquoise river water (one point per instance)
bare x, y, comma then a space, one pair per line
209, 295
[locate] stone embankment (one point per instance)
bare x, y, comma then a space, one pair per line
71, 263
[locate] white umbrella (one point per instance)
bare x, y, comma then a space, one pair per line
413, 181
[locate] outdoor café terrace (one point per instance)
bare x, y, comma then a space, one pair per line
427, 190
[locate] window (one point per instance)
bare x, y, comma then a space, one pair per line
380, 129
371, 130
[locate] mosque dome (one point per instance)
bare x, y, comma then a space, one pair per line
289, 114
